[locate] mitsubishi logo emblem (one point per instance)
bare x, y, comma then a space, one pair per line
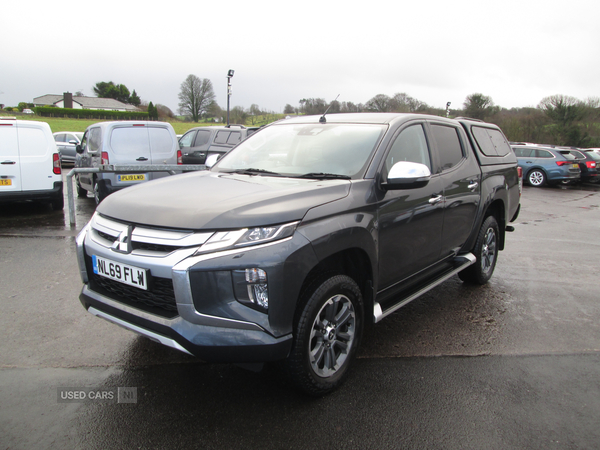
123, 242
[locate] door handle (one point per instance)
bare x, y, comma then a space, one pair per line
8, 163
436, 199
141, 158
473, 185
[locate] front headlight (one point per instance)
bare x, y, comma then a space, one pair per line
224, 240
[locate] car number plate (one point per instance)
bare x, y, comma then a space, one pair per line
138, 177
124, 273
6, 182
575, 166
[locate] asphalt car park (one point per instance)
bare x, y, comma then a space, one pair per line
512, 364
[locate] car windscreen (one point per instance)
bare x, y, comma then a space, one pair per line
300, 149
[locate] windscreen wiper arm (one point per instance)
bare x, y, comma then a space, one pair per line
324, 176
252, 171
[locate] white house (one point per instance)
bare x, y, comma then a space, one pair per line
67, 100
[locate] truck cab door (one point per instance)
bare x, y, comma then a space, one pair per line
410, 220
460, 176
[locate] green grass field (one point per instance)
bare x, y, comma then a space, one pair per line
61, 124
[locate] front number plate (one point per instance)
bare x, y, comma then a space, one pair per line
131, 275
138, 177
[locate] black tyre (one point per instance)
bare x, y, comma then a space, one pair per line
486, 251
327, 331
99, 193
536, 178
58, 204
81, 192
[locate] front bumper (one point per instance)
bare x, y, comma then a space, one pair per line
199, 309
209, 343
56, 193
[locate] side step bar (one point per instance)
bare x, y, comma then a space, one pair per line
461, 262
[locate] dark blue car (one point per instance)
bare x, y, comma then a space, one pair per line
543, 165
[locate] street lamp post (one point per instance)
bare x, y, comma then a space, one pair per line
229, 76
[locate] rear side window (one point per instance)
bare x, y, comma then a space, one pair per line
202, 138
129, 140
59, 137
543, 154
491, 141
222, 137
32, 142
448, 145
234, 137
160, 140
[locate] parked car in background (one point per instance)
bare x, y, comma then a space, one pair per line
130, 143
545, 165
29, 163
67, 141
205, 145
589, 162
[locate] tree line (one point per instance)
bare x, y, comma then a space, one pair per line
556, 120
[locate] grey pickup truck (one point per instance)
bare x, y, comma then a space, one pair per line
306, 232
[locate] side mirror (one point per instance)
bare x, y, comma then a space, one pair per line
78, 149
407, 175
73, 141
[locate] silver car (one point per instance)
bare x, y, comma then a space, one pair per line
67, 141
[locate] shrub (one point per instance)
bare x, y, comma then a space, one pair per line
47, 111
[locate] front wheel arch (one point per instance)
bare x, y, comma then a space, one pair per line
327, 332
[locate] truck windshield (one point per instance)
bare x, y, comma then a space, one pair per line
295, 150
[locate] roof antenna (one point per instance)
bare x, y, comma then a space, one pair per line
322, 119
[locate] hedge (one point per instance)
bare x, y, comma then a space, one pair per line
49, 111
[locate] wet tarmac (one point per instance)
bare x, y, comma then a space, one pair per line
513, 364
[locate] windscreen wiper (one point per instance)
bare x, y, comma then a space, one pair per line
252, 171
324, 176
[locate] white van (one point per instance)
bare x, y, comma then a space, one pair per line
121, 143
29, 163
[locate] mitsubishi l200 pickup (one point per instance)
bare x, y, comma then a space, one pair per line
299, 237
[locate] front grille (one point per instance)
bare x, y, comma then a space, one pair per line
158, 299
145, 240
106, 236
154, 247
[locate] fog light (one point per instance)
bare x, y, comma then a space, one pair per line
258, 294
257, 287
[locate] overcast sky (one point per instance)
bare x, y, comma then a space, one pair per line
516, 52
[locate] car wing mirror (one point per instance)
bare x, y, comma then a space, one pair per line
78, 149
407, 175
